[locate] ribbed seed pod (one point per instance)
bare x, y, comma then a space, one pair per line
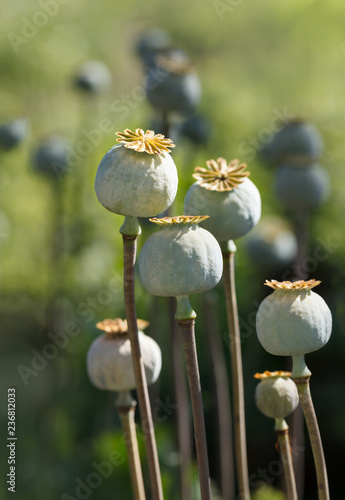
109, 359
225, 193
137, 177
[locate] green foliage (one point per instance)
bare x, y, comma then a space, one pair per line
257, 62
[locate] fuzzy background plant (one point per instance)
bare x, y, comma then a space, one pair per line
258, 63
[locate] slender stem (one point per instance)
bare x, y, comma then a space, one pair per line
189, 347
184, 435
222, 395
286, 458
303, 388
301, 225
129, 254
237, 375
126, 411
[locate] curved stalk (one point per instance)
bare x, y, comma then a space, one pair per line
286, 458
189, 347
303, 388
237, 372
129, 255
126, 408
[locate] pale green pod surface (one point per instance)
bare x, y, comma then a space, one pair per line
224, 192
180, 259
293, 320
110, 365
136, 184
276, 395
232, 213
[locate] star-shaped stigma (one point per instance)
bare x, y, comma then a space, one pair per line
117, 327
292, 285
221, 176
145, 142
179, 219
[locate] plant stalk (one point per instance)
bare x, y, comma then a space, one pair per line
237, 374
306, 401
222, 395
286, 458
189, 347
126, 411
184, 435
129, 255
301, 229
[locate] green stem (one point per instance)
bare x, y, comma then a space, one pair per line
286, 458
129, 254
189, 347
126, 408
303, 388
237, 375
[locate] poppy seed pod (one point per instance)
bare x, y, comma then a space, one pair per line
301, 188
173, 86
297, 142
276, 395
51, 156
180, 259
293, 320
12, 134
152, 42
225, 193
93, 77
196, 128
137, 177
272, 244
109, 359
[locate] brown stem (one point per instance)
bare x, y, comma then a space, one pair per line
237, 375
128, 425
286, 458
129, 254
189, 347
222, 395
182, 412
303, 388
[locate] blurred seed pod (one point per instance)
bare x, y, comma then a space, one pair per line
297, 142
172, 85
272, 244
196, 128
13, 133
151, 42
93, 77
50, 158
301, 188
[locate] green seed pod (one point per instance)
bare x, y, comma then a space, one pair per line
276, 395
297, 142
272, 244
301, 188
225, 193
293, 320
138, 177
109, 359
178, 88
180, 259
93, 77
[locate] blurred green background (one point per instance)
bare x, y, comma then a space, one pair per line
256, 61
